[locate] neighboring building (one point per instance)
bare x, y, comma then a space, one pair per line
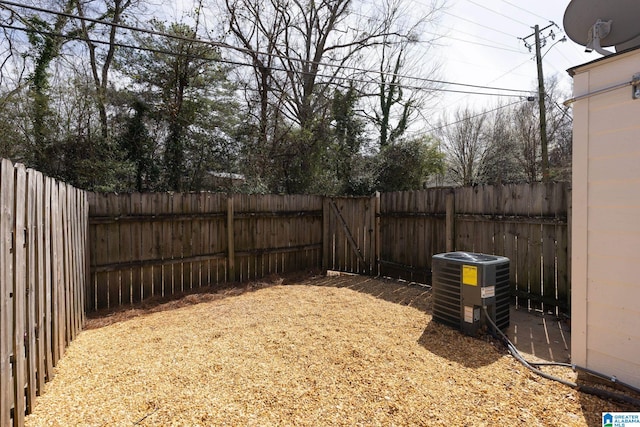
605, 243
222, 181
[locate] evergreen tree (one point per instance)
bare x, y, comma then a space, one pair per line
137, 146
407, 164
186, 89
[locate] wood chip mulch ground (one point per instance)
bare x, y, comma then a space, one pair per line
321, 351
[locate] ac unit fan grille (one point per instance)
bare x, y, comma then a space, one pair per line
503, 296
446, 295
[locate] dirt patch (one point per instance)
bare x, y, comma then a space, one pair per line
343, 350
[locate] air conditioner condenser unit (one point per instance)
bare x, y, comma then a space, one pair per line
468, 287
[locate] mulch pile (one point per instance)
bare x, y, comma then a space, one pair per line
339, 351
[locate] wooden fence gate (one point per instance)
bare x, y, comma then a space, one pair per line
351, 234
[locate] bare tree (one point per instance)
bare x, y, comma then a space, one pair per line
506, 146
465, 145
501, 160
112, 12
14, 72
526, 133
301, 51
398, 99
13, 66
298, 50
560, 132
257, 27
391, 94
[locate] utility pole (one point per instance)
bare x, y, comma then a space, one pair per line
543, 112
544, 143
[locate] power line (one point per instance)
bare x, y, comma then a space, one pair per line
243, 50
506, 47
483, 113
496, 12
510, 71
497, 78
121, 45
244, 64
472, 117
478, 24
562, 110
492, 46
544, 18
525, 10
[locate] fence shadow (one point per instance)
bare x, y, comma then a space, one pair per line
105, 317
403, 293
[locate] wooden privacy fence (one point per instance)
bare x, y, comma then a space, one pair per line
528, 223
43, 229
146, 245
160, 244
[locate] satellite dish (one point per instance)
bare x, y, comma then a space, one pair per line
596, 23
628, 45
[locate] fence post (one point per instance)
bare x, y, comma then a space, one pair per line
231, 251
376, 234
325, 235
450, 222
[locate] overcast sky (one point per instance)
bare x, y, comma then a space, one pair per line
482, 45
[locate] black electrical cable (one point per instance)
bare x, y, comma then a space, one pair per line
579, 387
600, 375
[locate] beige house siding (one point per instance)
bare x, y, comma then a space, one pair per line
606, 219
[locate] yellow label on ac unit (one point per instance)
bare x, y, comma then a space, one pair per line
469, 275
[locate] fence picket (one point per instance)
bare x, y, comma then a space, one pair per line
39, 230
41, 285
60, 295
31, 294
7, 195
19, 295
47, 329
